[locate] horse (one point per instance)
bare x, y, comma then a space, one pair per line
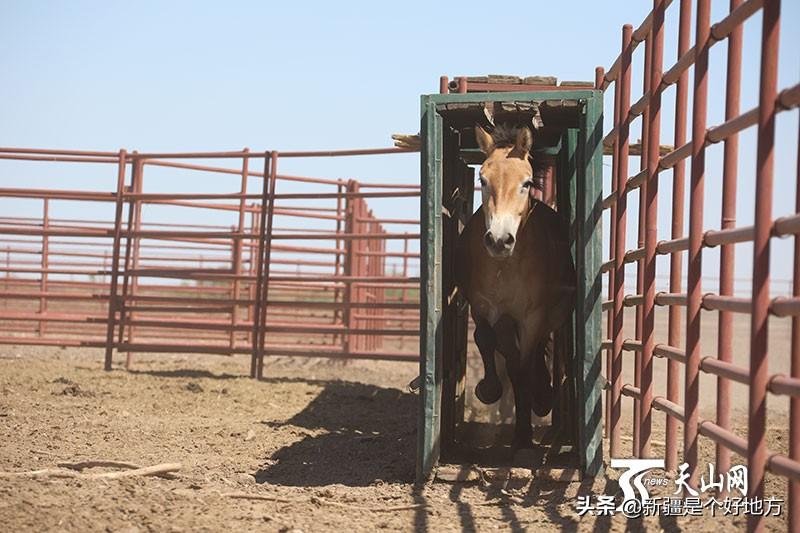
515, 269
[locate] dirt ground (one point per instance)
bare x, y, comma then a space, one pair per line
333, 445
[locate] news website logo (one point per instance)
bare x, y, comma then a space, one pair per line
638, 479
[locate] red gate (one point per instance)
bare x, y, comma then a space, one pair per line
690, 363
301, 266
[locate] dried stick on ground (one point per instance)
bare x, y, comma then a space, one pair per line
155, 470
111, 464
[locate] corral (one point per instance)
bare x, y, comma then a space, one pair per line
149, 280
191, 258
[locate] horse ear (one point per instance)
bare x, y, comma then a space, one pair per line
485, 141
523, 144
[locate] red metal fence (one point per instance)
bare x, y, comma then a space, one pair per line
688, 363
300, 266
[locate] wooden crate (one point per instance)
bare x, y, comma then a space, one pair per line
568, 127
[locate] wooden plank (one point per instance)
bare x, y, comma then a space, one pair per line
589, 84
503, 79
430, 290
589, 298
567, 189
540, 80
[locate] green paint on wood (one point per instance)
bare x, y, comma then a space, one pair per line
430, 291
584, 186
588, 310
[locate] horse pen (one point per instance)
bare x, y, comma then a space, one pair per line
184, 275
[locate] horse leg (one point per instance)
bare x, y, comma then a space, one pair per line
488, 390
519, 372
542, 394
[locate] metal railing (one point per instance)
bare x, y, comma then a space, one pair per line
691, 145
301, 270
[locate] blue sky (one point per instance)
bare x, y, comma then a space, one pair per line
162, 76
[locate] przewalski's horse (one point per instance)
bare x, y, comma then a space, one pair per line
516, 271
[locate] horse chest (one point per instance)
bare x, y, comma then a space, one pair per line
502, 293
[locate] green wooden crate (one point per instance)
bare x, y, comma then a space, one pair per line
573, 133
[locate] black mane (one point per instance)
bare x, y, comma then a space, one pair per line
505, 135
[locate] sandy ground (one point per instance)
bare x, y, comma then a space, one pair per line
332, 444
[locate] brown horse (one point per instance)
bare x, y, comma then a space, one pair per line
516, 271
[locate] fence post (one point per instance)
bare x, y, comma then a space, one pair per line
727, 251
794, 402
676, 259
639, 310
382, 292
349, 266
44, 263
360, 259
258, 303
650, 193
131, 250
112, 294
237, 243
337, 312
623, 85
404, 290
694, 289
765, 162
273, 177
599, 82
253, 266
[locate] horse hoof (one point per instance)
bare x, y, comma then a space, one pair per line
488, 392
542, 403
542, 409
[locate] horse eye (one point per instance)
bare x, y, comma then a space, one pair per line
527, 185
482, 181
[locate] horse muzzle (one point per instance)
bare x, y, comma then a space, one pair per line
499, 246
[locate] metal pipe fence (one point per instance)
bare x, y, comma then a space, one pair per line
689, 362
302, 266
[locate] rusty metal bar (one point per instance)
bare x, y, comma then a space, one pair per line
650, 194
639, 255
619, 245
268, 236
608, 266
44, 263
734, 20
794, 402
237, 248
260, 273
756, 441
112, 299
676, 232
696, 207
672, 409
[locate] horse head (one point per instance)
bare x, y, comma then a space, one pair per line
507, 185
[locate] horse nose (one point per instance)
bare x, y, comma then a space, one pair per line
498, 244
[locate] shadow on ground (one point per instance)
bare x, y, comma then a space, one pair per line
370, 436
185, 373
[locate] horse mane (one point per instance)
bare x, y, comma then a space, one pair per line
504, 136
